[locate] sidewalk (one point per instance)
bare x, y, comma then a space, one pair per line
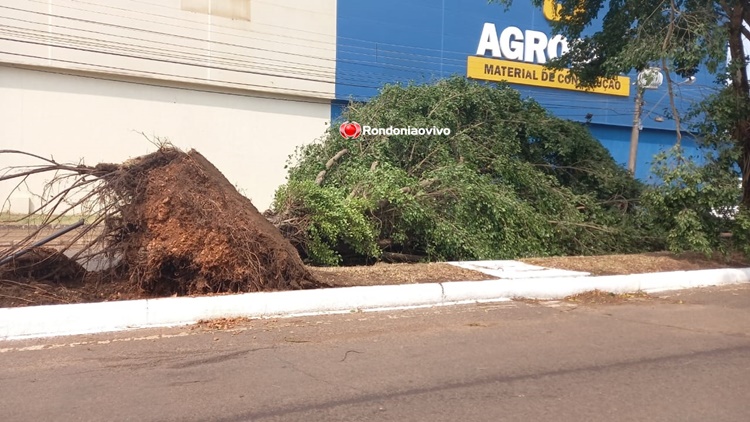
516, 280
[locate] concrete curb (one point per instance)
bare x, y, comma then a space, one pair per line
88, 318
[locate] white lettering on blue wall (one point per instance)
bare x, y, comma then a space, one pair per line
514, 44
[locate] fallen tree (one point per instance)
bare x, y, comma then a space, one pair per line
509, 181
172, 222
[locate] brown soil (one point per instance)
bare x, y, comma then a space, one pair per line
639, 263
380, 274
192, 232
15, 294
598, 297
219, 324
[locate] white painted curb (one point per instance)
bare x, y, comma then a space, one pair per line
61, 320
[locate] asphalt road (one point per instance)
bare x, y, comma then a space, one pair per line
655, 360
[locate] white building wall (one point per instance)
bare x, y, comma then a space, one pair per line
242, 81
282, 46
75, 118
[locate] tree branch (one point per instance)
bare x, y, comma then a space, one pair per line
329, 164
673, 106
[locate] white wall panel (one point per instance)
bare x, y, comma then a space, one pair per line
73, 118
280, 46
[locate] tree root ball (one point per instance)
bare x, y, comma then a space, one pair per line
185, 229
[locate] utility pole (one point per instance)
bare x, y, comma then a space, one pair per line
636, 128
650, 78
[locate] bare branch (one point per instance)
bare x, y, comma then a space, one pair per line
583, 225
39, 157
422, 183
673, 106
44, 170
329, 164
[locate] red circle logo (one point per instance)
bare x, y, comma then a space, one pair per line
350, 130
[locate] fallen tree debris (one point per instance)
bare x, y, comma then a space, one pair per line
175, 224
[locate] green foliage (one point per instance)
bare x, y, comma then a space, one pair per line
509, 181
681, 37
694, 203
714, 119
334, 218
741, 231
634, 34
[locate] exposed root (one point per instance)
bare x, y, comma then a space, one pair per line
171, 221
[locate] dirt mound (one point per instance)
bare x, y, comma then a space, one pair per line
185, 229
173, 224
43, 264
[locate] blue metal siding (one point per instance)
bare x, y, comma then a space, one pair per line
650, 142
396, 41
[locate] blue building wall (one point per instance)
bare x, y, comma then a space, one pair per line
650, 142
397, 41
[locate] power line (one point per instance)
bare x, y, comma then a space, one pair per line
336, 47
390, 77
363, 63
366, 63
113, 78
206, 66
214, 57
46, 39
202, 80
200, 65
307, 40
134, 39
88, 21
86, 41
174, 18
337, 38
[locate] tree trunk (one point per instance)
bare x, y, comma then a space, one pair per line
741, 89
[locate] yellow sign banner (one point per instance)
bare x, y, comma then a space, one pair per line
488, 69
553, 10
